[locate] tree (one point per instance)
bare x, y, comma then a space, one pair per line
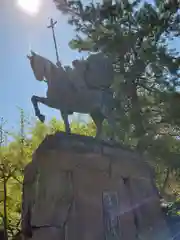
14, 155
137, 36
12, 161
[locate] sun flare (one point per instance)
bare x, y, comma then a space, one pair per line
30, 6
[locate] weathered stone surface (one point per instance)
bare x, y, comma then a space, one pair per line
48, 233
145, 203
125, 213
80, 189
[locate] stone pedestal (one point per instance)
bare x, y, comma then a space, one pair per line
77, 188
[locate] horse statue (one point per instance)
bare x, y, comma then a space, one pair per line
85, 88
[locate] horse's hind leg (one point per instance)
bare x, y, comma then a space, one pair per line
98, 119
66, 122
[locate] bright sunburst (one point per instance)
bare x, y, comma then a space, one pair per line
30, 6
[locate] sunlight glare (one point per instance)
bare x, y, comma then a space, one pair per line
30, 6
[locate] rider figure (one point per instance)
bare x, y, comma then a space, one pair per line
79, 73
75, 74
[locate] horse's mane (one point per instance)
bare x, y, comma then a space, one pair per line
49, 61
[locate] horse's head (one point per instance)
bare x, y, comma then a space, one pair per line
38, 65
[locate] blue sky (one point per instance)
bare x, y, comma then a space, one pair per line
19, 32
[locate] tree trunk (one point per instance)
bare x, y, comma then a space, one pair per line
5, 209
136, 115
165, 181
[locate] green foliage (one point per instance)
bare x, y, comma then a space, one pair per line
137, 35
13, 158
174, 208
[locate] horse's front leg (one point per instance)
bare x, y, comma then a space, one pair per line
66, 122
35, 100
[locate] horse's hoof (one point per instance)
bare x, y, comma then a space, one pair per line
42, 118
